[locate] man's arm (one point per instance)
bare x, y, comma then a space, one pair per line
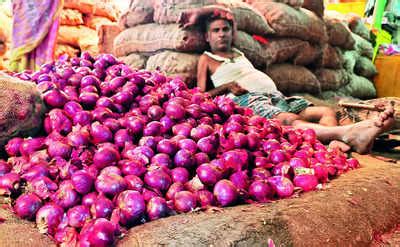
202, 68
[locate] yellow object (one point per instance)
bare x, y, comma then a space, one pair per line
357, 7
387, 82
382, 37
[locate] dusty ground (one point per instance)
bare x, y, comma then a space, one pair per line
350, 211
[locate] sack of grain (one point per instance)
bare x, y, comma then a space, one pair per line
140, 12
107, 34
308, 54
289, 22
339, 34
350, 58
291, 79
316, 6
331, 58
95, 7
176, 64
94, 22
62, 49
253, 50
71, 17
365, 67
363, 46
80, 37
331, 79
135, 61
293, 3
358, 87
153, 37
22, 108
357, 26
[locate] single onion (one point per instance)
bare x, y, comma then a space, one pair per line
100, 133
105, 156
98, 232
101, 207
82, 181
65, 197
225, 192
157, 208
182, 129
306, 182
134, 183
9, 183
110, 184
205, 198
184, 158
78, 215
180, 174
208, 174
13, 145
157, 179
281, 185
48, 218
240, 180
132, 207
184, 201
261, 191
27, 205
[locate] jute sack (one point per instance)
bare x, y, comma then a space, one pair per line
291, 79
107, 34
331, 79
316, 6
140, 12
173, 64
153, 37
289, 22
71, 17
135, 61
363, 46
95, 7
95, 22
331, 58
252, 49
62, 49
349, 59
339, 34
308, 54
358, 87
22, 108
365, 67
82, 37
357, 26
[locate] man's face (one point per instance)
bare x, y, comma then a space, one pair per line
219, 35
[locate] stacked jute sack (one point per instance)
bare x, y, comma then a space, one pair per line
288, 39
87, 25
5, 34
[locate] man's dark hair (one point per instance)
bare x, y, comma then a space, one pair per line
210, 19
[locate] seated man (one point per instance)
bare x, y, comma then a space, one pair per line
233, 74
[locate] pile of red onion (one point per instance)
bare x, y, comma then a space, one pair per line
123, 147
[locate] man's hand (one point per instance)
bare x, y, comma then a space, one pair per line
236, 89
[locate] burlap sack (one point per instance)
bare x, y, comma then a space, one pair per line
71, 17
358, 87
331, 79
289, 22
135, 61
308, 54
82, 37
363, 46
62, 49
357, 26
107, 34
95, 7
252, 49
22, 108
140, 12
331, 58
153, 37
175, 64
349, 59
316, 6
95, 22
339, 34
291, 79
365, 67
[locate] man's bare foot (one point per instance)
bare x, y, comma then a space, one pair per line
360, 136
339, 145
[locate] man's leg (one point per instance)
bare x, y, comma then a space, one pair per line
319, 114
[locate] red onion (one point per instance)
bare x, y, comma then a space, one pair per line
35, 172
31, 145
59, 149
134, 183
271, 145
261, 191
260, 173
112, 123
68, 236
157, 208
4, 168
132, 167
157, 179
13, 146
149, 141
277, 156
236, 159
306, 182
281, 185
89, 199
182, 129
78, 138
42, 186
167, 124
180, 174
82, 181
58, 121
105, 156
111, 170
175, 111
208, 174
134, 124
65, 197
155, 112
98, 232
161, 159
185, 201
132, 207
9, 183
201, 131
205, 198
121, 137
184, 158
167, 147
71, 108
78, 215
173, 189
110, 184
240, 180
101, 207
207, 144
48, 218
225, 192
55, 98
27, 205
100, 133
